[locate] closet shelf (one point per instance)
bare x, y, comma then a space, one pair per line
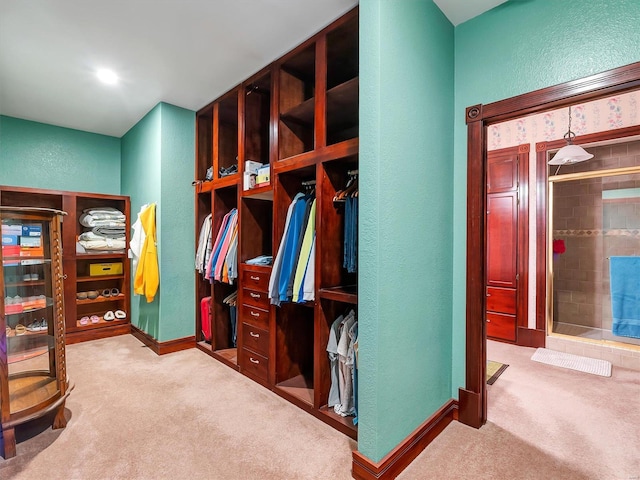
259, 193
299, 387
97, 256
302, 114
99, 278
340, 294
224, 182
343, 424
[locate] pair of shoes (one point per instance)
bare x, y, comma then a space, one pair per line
111, 315
38, 326
28, 277
110, 292
13, 300
228, 171
91, 294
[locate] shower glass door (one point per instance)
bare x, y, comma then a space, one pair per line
594, 215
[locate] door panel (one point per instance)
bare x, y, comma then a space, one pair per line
502, 236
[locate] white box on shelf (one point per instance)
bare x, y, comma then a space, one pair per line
251, 167
249, 181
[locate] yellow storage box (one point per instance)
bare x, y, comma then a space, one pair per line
97, 269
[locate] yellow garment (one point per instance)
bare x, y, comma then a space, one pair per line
147, 277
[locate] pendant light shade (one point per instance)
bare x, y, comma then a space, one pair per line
570, 153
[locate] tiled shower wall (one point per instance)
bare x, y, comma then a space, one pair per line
593, 229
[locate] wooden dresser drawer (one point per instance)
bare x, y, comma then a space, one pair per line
255, 316
254, 364
255, 280
502, 300
255, 339
501, 326
255, 298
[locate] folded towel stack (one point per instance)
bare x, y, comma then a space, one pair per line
105, 229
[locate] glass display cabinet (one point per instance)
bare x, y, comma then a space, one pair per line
33, 378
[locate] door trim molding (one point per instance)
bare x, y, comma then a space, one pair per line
478, 117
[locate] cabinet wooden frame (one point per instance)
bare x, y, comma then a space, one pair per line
74, 203
40, 384
305, 139
473, 397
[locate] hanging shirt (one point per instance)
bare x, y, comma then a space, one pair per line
289, 260
147, 276
277, 263
305, 253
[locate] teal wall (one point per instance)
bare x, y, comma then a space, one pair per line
157, 166
141, 163
38, 155
516, 48
405, 256
176, 235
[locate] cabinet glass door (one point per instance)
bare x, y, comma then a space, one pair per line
28, 311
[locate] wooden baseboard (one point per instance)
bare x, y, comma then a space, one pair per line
470, 409
528, 337
401, 456
162, 348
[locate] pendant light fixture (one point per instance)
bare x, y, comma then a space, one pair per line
570, 153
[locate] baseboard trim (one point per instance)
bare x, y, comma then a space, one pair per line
400, 457
528, 337
470, 409
162, 348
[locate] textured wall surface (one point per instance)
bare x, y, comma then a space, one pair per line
176, 240
141, 163
515, 48
44, 156
405, 284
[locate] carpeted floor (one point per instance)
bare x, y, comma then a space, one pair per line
135, 415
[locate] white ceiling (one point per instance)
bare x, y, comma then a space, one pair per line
185, 52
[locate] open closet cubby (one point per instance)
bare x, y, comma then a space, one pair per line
203, 286
297, 102
328, 312
294, 352
223, 344
225, 135
299, 115
338, 177
342, 82
204, 142
257, 118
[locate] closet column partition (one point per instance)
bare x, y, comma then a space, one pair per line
299, 118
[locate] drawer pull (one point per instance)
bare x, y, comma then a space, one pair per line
254, 360
254, 295
254, 314
254, 335
253, 277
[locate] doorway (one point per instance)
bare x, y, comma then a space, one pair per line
473, 398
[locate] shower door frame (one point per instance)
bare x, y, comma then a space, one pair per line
547, 289
472, 405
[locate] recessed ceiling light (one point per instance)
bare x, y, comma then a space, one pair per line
107, 76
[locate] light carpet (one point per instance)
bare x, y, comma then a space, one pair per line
574, 362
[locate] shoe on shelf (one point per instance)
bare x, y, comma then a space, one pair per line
34, 326
114, 292
94, 319
44, 326
109, 316
84, 320
93, 294
120, 314
20, 329
81, 295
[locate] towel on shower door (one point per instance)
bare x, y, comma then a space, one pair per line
625, 295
